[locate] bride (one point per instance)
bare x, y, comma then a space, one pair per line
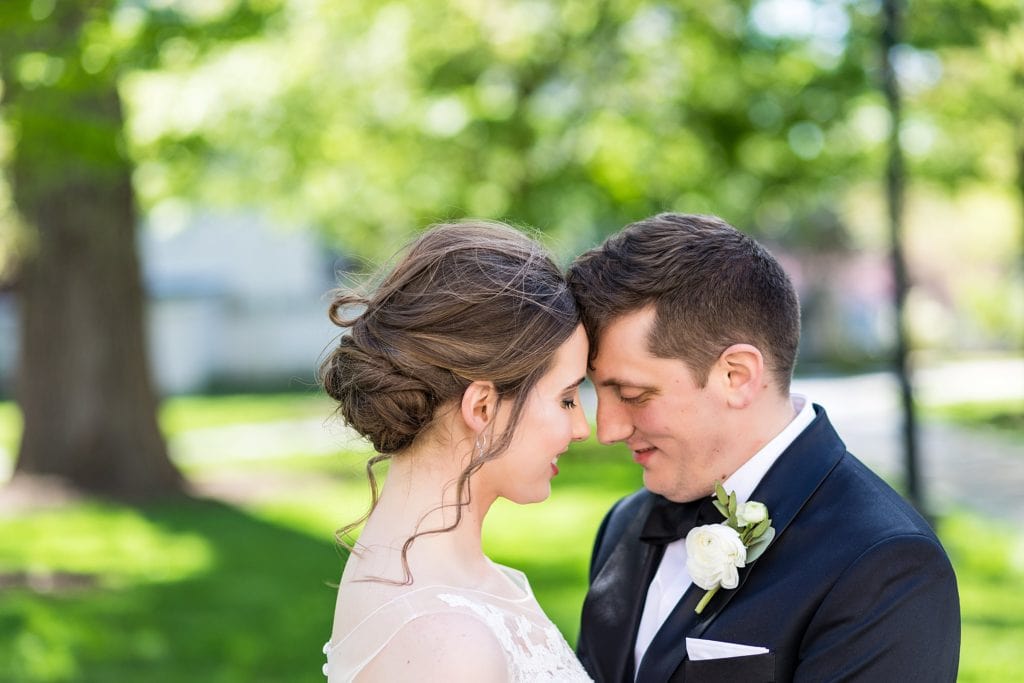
463, 370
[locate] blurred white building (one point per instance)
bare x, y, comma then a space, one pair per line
233, 302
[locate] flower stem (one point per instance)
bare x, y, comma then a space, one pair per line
704, 601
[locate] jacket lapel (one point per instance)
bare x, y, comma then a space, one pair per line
785, 489
615, 601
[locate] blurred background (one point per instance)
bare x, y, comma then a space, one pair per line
184, 180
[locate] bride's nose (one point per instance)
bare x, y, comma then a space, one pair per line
580, 428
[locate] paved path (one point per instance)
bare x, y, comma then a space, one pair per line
976, 469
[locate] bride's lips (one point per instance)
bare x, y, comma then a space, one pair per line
642, 455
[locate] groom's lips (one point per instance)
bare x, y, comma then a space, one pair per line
642, 455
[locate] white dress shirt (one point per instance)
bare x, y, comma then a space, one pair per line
671, 580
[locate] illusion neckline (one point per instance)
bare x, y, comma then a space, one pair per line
516, 578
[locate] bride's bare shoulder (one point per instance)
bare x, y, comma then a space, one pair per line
440, 647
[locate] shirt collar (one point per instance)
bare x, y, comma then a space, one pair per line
744, 480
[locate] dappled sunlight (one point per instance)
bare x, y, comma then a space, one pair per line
241, 598
987, 557
116, 543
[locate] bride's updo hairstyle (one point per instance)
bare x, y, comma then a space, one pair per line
468, 301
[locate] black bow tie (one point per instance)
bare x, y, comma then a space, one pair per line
668, 521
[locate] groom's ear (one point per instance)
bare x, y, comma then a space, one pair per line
741, 374
479, 405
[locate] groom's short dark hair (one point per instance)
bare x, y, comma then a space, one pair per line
712, 286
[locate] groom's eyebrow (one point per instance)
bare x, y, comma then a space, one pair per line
616, 383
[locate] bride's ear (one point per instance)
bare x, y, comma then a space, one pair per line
479, 405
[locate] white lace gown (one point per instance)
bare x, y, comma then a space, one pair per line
534, 648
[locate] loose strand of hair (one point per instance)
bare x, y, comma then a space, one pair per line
341, 536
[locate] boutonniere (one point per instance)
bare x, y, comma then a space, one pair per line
715, 552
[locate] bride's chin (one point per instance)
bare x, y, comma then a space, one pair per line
530, 497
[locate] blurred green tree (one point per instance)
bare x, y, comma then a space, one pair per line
83, 387
573, 116
963, 68
369, 120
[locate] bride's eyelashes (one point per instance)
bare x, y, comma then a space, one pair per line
569, 402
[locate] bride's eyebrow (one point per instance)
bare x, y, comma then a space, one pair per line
574, 384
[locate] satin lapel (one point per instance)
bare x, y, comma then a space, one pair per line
615, 600
785, 489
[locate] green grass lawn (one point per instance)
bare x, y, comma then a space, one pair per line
181, 413
199, 590
1004, 416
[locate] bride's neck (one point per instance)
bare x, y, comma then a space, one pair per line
420, 494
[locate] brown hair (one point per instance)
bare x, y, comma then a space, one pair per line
711, 285
469, 301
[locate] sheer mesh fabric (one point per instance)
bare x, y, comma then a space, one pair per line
535, 649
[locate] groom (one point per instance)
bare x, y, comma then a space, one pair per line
694, 330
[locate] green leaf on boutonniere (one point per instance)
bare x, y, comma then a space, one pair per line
759, 545
721, 501
721, 495
761, 527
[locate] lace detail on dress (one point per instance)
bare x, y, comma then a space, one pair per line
535, 649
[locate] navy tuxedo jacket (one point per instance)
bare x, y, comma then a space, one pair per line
854, 587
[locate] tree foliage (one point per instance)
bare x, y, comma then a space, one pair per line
575, 117
370, 120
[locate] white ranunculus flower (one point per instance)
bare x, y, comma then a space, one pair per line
750, 513
713, 554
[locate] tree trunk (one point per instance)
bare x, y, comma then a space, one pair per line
895, 183
83, 384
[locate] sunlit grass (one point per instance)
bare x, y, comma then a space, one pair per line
989, 561
118, 544
253, 605
1003, 416
182, 413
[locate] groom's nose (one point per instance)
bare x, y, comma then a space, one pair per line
613, 421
